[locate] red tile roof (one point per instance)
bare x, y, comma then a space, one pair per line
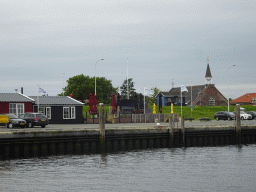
247, 98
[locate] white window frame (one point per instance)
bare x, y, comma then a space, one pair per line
16, 108
71, 113
50, 112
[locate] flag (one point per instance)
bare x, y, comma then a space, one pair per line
148, 91
41, 90
183, 88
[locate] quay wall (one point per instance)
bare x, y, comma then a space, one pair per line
25, 144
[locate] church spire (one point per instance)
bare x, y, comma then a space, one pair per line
208, 75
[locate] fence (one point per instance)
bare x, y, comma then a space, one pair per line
153, 118
120, 118
133, 118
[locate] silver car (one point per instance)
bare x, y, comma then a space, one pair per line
15, 121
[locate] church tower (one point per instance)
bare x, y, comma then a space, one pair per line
208, 75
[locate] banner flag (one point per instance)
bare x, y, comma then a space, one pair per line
149, 91
41, 90
183, 88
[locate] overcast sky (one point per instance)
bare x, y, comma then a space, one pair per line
47, 42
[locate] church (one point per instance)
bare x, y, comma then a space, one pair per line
202, 95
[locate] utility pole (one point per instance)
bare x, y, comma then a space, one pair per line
127, 80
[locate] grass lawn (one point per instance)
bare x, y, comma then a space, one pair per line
205, 111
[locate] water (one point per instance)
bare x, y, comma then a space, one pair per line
228, 168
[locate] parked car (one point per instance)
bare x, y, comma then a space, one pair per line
244, 115
15, 121
35, 119
252, 113
225, 115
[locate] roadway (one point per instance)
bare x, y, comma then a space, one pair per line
188, 124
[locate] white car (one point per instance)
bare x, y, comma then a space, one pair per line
244, 115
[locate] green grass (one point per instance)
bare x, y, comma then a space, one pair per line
86, 109
205, 111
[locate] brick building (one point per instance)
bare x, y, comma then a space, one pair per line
247, 99
202, 95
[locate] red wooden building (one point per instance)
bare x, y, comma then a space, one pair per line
15, 103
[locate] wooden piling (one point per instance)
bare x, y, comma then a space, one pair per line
102, 123
171, 131
238, 125
183, 130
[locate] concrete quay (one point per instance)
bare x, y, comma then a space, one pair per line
86, 138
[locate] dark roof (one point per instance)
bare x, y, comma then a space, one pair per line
56, 100
196, 89
208, 71
15, 97
166, 94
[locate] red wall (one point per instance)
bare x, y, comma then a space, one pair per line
4, 107
28, 107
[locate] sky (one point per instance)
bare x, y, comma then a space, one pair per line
161, 43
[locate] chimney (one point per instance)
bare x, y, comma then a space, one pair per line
21, 90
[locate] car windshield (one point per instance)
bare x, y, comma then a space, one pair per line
11, 116
40, 116
242, 112
230, 113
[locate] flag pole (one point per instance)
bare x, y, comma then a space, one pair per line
181, 101
144, 100
38, 98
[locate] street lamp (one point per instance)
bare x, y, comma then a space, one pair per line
228, 85
127, 81
63, 83
95, 74
191, 99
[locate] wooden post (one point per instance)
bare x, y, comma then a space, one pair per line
102, 125
238, 125
183, 130
171, 131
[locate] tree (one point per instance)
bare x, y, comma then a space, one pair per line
152, 99
131, 89
82, 86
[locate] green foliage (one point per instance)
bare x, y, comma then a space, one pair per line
123, 89
152, 99
86, 109
82, 86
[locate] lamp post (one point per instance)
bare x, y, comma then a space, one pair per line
228, 85
191, 99
127, 81
63, 83
95, 74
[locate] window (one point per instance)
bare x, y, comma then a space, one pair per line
45, 110
16, 108
211, 101
69, 113
42, 110
48, 112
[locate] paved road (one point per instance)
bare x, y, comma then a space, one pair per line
195, 124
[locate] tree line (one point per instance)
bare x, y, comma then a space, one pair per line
81, 86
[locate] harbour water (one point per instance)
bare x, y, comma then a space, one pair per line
227, 168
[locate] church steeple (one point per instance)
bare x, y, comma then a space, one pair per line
208, 75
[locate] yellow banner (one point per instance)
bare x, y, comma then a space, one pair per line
4, 119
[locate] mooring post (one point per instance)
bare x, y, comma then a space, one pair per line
171, 131
102, 125
238, 125
183, 129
